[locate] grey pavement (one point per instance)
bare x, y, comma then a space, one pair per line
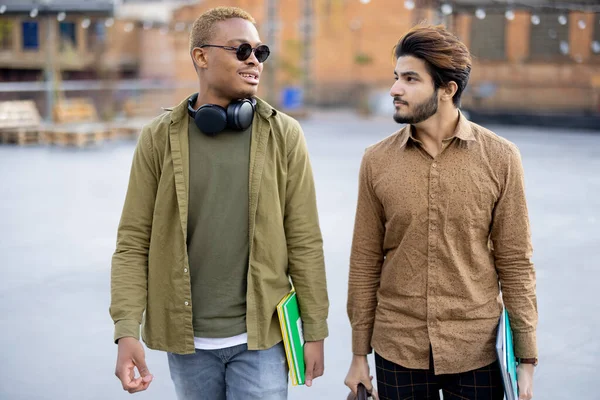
59, 210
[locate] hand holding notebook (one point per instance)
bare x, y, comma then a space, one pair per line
506, 357
293, 337
313, 359
525, 379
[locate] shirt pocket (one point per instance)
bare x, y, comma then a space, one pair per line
470, 201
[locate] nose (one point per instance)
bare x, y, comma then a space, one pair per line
397, 89
252, 60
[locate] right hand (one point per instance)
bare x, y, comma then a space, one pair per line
359, 373
130, 355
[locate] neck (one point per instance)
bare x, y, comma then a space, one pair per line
439, 126
207, 96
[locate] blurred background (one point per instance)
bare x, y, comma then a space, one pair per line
79, 78
128, 58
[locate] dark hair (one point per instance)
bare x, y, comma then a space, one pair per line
446, 57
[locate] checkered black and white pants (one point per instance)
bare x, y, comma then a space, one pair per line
395, 382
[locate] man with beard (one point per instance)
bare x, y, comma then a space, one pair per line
441, 223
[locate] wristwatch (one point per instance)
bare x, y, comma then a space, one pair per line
533, 361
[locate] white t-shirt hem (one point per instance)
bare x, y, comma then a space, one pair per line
220, 343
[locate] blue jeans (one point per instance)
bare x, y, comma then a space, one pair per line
233, 373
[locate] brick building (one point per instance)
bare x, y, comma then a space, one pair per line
538, 59
44, 44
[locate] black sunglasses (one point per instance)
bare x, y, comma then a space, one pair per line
244, 50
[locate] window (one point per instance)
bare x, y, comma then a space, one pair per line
68, 36
550, 39
6, 34
31, 39
487, 37
96, 35
596, 37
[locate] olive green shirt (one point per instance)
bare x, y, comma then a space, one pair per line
218, 230
150, 279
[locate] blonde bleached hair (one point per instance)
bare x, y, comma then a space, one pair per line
204, 26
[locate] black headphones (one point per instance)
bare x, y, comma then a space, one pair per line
212, 119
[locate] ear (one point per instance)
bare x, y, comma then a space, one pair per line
449, 91
200, 58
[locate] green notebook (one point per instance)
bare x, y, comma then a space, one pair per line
293, 338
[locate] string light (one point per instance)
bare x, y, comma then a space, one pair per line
562, 20
446, 9
563, 9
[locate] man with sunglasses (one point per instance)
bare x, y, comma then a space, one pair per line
219, 221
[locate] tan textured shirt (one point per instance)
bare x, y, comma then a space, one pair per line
433, 239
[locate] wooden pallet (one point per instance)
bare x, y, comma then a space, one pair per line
111, 133
129, 129
147, 105
21, 136
68, 111
77, 135
127, 132
19, 122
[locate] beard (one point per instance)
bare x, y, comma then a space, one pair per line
421, 111
239, 93
247, 92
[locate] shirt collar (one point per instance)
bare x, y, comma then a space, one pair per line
463, 131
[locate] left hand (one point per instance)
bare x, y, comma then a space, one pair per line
525, 381
314, 361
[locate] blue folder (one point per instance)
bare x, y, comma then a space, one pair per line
506, 357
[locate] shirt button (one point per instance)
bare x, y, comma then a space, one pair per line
185, 270
432, 196
433, 227
434, 165
186, 303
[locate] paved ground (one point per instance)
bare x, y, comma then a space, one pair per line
59, 211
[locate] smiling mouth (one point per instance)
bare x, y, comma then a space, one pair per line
249, 76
